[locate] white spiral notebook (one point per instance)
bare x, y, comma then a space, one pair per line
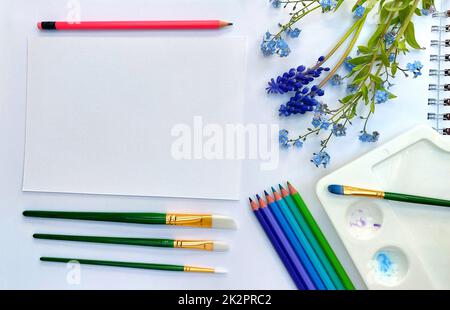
439, 87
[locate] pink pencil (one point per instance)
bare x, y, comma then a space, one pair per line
134, 25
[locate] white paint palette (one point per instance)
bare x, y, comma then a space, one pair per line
396, 245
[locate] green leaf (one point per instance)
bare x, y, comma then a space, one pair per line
394, 67
352, 113
347, 98
364, 49
372, 106
390, 95
338, 4
384, 56
376, 36
395, 6
410, 36
376, 79
362, 75
402, 46
361, 60
365, 94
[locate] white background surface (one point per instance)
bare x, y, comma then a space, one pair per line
252, 263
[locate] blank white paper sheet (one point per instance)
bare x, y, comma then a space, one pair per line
105, 114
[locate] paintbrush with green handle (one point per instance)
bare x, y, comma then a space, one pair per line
355, 191
206, 245
177, 219
152, 266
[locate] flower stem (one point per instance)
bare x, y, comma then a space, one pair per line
296, 18
339, 44
346, 52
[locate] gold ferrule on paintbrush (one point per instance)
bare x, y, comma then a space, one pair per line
198, 269
193, 220
191, 244
356, 191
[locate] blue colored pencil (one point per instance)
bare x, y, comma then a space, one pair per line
278, 248
268, 215
303, 241
299, 250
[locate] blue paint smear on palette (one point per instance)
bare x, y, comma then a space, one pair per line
385, 264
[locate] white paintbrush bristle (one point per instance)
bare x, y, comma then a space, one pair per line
222, 221
220, 270
220, 246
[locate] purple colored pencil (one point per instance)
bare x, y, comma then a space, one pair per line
278, 248
267, 214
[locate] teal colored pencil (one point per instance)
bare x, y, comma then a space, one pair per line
312, 240
326, 279
325, 246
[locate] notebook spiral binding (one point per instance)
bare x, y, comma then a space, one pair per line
439, 99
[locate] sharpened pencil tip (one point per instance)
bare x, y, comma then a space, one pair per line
273, 189
249, 199
257, 196
230, 24
266, 193
281, 187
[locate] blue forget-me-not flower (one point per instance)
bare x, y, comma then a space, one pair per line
359, 11
328, 5
275, 3
415, 68
367, 137
321, 158
381, 96
283, 138
347, 65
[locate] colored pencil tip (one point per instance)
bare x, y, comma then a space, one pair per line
266, 193
273, 189
281, 187
230, 24
250, 199
336, 189
257, 196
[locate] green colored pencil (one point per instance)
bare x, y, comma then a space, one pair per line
178, 219
356, 191
321, 238
312, 239
206, 245
165, 267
